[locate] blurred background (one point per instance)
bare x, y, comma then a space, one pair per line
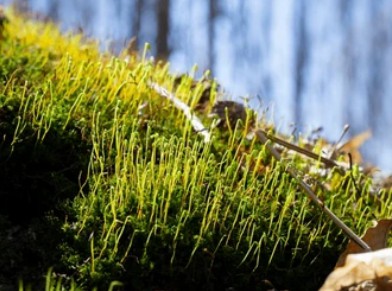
313, 63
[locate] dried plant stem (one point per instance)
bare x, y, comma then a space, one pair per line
194, 120
355, 238
328, 162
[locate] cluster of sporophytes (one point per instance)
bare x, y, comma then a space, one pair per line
105, 181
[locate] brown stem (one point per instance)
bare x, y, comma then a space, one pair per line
328, 162
312, 196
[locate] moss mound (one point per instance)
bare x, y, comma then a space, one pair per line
105, 183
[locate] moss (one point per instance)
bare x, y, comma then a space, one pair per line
104, 181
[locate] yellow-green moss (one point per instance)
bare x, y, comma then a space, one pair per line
124, 190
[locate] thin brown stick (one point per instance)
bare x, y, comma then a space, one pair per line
328, 162
312, 196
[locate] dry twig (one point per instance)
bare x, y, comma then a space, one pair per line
194, 120
355, 238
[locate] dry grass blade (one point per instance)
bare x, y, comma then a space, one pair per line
194, 120
355, 238
328, 162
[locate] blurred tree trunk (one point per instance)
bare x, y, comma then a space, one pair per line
213, 11
136, 23
163, 27
300, 61
53, 10
21, 5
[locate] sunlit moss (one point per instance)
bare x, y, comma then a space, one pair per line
155, 205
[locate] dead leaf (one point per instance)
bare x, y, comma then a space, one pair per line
375, 237
352, 146
367, 271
